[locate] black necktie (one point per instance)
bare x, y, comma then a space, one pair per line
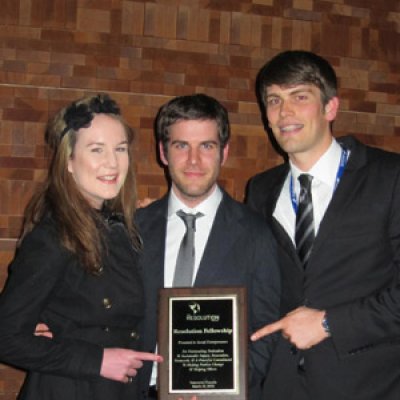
185, 262
305, 233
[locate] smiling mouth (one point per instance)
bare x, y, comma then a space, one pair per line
108, 178
193, 173
290, 128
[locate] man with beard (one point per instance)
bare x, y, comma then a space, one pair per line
233, 245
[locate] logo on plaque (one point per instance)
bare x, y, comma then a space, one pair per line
195, 307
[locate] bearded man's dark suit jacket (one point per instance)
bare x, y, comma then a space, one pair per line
353, 273
240, 251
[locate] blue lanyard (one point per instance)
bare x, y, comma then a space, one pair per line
342, 164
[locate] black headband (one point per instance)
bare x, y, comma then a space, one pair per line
79, 116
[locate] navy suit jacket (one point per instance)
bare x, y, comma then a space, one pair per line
240, 251
353, 273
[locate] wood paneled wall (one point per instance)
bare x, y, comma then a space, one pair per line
145, 52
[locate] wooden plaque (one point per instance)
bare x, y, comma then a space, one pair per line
202, 335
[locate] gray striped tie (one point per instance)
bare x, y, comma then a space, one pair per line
185, 262
305, 233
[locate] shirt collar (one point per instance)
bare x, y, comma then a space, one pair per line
325, 169
208, 206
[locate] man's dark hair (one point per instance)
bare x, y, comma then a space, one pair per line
297, 67
189, 108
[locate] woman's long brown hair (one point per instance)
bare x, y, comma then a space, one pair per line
79, 225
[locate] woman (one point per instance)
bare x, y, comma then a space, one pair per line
75, 268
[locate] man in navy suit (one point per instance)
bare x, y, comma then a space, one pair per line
233, 245
340, 306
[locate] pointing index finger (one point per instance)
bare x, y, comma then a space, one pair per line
148, 356
267, 330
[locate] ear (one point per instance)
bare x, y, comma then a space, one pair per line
331, 109
70, 166
225, 152
163, 156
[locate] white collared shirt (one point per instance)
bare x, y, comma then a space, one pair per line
324, 173
176, 230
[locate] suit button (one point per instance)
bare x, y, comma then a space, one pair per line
134, 335
106, 329
301, 365
107, 303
